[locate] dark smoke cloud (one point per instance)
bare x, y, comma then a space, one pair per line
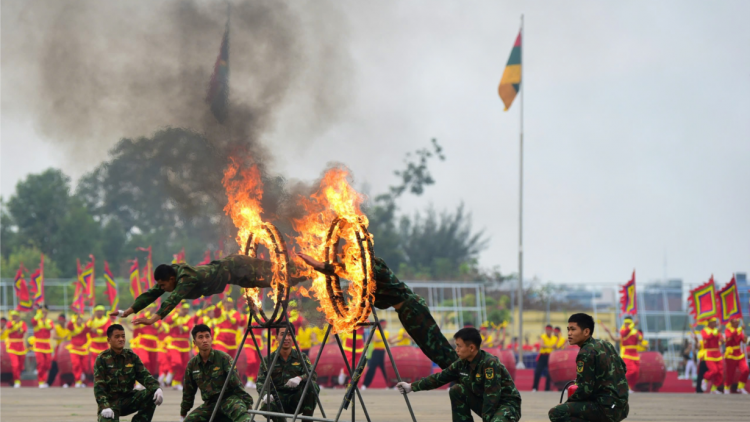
91, 72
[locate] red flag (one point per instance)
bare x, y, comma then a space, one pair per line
728, 302
702, 301
22, 291
80, 290
88, 281
149, 268
628, 302
179, 258
111, 287
135, 280
206, 258
36, 284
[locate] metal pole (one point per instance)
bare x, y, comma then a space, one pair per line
520, 364
393, 363
350, 370
268, 369
353, 382
307, 384
307, 371
285, 415
231, 370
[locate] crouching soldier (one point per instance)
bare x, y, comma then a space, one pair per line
288, 378
602, 393
115, 372
207, 371
483, 385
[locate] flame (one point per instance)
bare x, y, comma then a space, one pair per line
244, 189
336, 199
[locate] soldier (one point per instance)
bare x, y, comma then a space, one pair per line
411, 309
42, 344
482, 384
178, 344
78, 348
712, 340
208, 371
602, 393
188, 282
15, 345
288, 379
548, 342
115, 372
734, 358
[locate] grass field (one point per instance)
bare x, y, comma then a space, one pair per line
78, 405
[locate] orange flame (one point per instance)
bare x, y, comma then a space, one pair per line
244, 191
336, 199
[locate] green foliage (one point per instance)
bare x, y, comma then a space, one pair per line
30, 257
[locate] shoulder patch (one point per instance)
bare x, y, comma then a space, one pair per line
295, 363
489, 373
580, 366
130, 365
216, 368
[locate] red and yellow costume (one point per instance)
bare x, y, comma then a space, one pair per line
178, 345
78, 346
253, 362
145, 344
225, 324
711, 341
735, 359
15, 345
42, 345
162, 356
98, 334
630, 338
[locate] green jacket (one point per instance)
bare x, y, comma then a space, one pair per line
115, 376
485, 377
600, 375
209, 377
284, 370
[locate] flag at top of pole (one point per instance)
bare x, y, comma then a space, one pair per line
510, 83
218, 89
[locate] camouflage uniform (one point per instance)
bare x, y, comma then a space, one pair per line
209, 377
602, 393
289, 397
207, 280
114, 378
482, 385
414, 314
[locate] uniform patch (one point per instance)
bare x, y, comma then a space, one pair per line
130, 365
580, 366
216, 369
489, 373
295, 363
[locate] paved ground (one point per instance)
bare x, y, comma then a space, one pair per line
78, 405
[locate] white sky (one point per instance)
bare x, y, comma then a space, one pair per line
637, 130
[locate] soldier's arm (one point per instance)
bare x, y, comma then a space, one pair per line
261, 375
185, 285
143, 376
586, 375
451, 373
100, 385
188, 392
146, 298
313, 375
495, 377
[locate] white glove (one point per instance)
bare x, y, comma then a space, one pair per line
404, 387
294, 382
158, 397
267, 399
108, 413
182, 419
120, 313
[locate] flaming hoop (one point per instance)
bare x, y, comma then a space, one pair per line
276, 246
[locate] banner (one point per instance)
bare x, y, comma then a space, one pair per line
628, 301
206, 258
135, 280
22, 291
80, 291
179, 258
702, 301
728, 302
87, 279
510, 83
36, 283
111, 291
218, 89
149, 276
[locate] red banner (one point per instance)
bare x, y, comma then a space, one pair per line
22, 291
628, 301
111, 291
702, 301
728, 302
36, 284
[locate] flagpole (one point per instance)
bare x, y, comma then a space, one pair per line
520, 364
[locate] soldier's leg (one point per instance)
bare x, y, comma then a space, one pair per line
235, 409
504, 414
273, 407
418, 322
582, 411
141, 403
462, 403
308, 405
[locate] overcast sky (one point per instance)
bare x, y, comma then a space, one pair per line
637, 129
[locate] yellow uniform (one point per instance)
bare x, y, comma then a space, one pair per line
402, 339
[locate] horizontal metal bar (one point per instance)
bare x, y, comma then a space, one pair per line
288, 415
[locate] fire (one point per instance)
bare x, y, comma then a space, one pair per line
244, 189
333, 212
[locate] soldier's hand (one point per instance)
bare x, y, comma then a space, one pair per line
146, 321
267, 399
317, 265
108, 413
404, 387
158, 397
293, 382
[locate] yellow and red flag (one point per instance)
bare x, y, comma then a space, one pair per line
179, 258
206, 258
510, 83
80, 291
728, 301
702, 301
135, 280
36, 283
111, 291
149, 268
628, 302
87, 279
22, 291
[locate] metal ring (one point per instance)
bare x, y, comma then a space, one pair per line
280, 282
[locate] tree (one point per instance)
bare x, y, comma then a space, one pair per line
30, 258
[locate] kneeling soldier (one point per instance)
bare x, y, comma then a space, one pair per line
288, 378
207, 371
602, 393
483, 385
115, 372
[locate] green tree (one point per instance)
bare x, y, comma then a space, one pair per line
30, 257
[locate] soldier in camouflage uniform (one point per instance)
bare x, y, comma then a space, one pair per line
602, 394
207, 371
411, 309
189, 282
483, 385
115, 372
288, 379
